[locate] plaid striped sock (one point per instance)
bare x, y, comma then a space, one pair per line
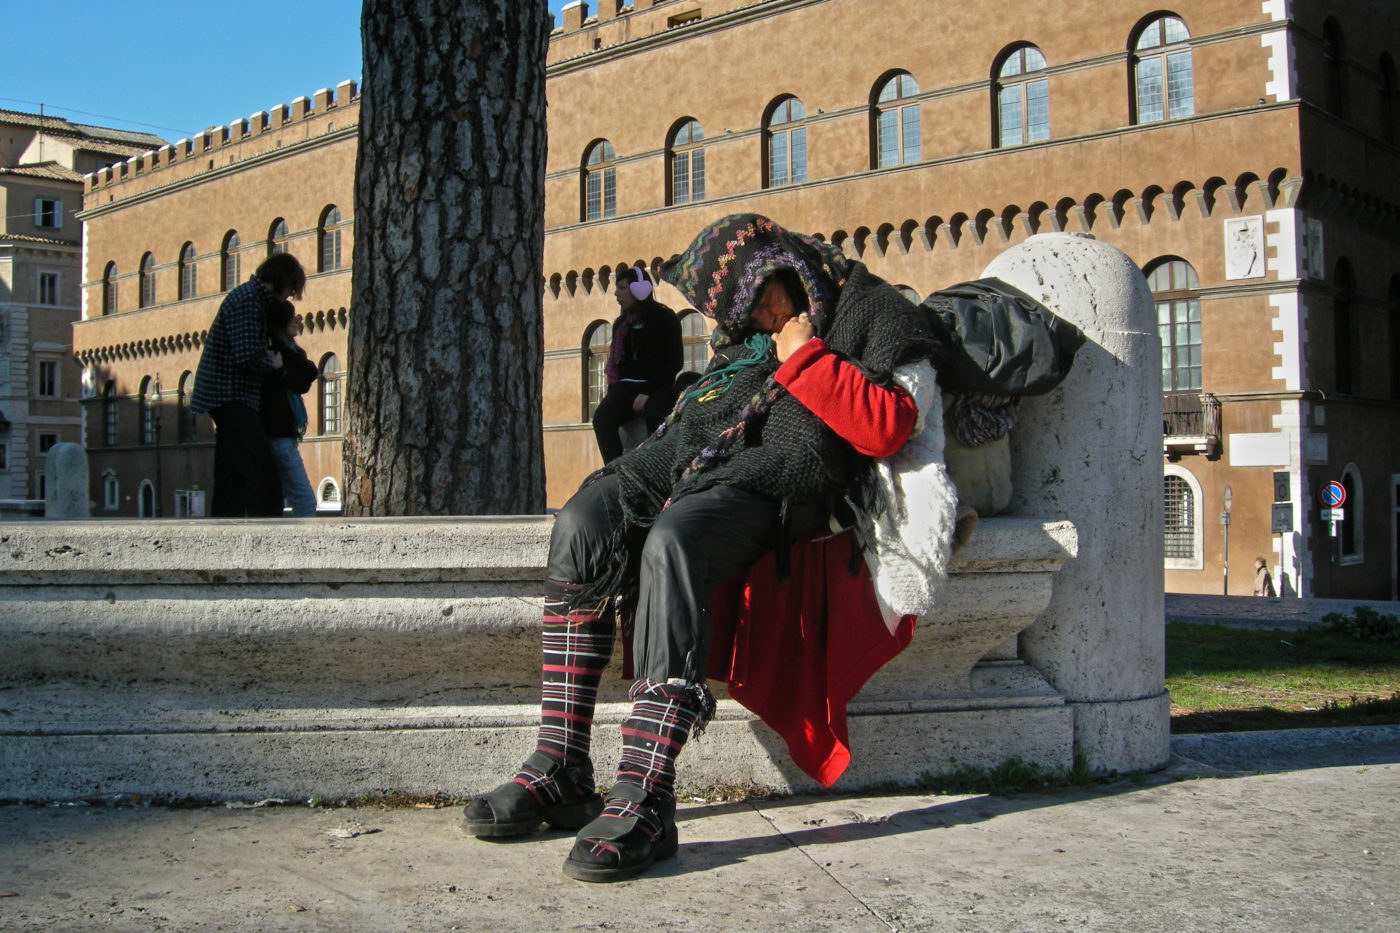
662, 717
577, 644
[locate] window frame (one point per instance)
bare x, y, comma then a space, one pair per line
685, 156
230, 261
1351, 539
792, 130
47, 285
1163, 53
603, 171
1023, 80
46, 377
900, 126
111, 420
189, 272
48, 213
1177, 293
277, 235
1196, 559
330, 397
109, 289
695, 342
594, 358
328, 255
146, 281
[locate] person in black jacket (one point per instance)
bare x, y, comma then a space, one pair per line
282, 411
642, 363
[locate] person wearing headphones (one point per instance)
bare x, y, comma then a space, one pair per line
642, 362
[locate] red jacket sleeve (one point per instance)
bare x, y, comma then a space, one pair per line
874, 420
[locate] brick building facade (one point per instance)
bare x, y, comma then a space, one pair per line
1242, 152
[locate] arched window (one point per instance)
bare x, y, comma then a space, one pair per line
277, 237
109, 413
1175, 289
1162, 78
687, 156
1349, 529
895, 121
146, 277
597, 341
146, 500
1022, 98
785, 144
1387, 98
328, 496
328, 238
188, 281
185, 424
109, 289
228, 262
330, 383
695, 342
1343, 340
147, 406
1181, 520
1334, 62
599, 181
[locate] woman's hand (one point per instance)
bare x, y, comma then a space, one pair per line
794, 333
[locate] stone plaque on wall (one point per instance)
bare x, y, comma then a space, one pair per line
1244, 247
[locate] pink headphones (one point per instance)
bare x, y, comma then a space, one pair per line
641, 288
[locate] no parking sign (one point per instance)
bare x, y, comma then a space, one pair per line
1332, 495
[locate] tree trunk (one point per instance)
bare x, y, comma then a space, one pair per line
445, 345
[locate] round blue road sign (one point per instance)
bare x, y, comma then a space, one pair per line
1332, 495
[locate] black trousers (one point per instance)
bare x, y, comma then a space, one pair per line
694, 546
615, 410
245, 476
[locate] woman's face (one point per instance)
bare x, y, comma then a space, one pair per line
773, 308
625, 299
293, 328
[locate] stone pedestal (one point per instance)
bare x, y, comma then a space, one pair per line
1091, 452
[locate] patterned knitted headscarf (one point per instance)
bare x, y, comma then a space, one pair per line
724, 267
721, 274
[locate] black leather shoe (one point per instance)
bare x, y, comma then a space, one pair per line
616, 849
511, 810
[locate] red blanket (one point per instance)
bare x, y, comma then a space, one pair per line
795, 653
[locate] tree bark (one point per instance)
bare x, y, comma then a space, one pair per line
445, 343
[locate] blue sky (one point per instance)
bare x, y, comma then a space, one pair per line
173, 68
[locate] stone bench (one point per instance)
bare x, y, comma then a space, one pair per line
236, 659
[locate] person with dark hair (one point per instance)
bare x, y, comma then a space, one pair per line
645, 355
228, 385
819, 368
282, 411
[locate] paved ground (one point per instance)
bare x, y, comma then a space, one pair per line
1269, 832
1255, 612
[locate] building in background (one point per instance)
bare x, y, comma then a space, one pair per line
1242, 152
42, 163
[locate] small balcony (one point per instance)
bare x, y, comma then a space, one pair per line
1190, 424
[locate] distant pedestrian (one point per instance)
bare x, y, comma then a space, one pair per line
228, 385
1263, 583
645, 355
282, 411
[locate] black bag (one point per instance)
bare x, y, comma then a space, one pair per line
998, 340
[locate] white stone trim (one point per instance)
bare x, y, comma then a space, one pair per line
1282, 70
1287, 323
1197, 560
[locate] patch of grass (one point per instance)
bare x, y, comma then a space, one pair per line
1225, 679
